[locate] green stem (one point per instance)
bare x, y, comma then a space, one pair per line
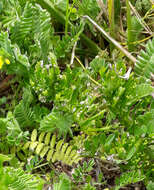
129, 27
41, 165
83, 124
67, 18
99, 129
111, 21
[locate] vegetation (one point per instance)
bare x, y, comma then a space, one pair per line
76, 94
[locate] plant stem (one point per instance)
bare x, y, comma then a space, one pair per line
39, 166
92, 118
129, 27
111, 20
67, 18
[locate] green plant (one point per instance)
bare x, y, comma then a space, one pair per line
143, 5
61, 18
150, 186
78, 107
80, 173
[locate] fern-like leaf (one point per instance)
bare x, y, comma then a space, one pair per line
145, 62
34, 23
23, 113
46, 145
21, 180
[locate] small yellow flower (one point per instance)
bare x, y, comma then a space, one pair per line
1, 62
7, 61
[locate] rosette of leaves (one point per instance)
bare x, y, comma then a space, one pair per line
58, 122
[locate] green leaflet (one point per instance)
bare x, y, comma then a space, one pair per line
4, 158
109, 140
24, 114
131, 153
34, 135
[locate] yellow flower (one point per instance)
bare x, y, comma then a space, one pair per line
7, 61
1, 62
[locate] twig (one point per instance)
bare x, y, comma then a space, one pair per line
132, 58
